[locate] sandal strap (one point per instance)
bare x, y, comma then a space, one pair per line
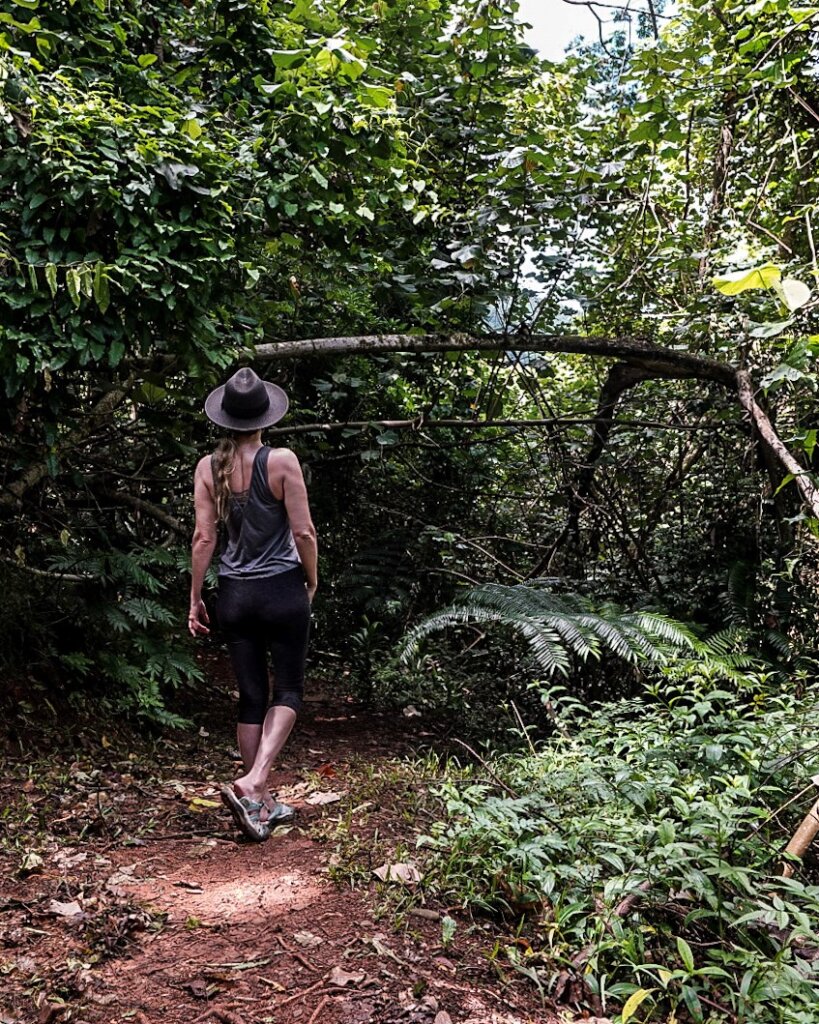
253, 809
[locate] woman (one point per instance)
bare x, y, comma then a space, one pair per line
267, 581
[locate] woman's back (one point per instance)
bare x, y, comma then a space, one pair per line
258, 540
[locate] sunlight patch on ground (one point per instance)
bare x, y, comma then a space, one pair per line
213, 901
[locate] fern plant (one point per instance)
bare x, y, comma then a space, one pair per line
558, 627
128, 626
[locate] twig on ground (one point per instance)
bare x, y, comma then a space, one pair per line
318, 1009
299, 995
304, 961
225, 1016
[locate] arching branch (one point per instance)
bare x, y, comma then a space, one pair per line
664, 362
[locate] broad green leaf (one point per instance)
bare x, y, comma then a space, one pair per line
30, 5
32, 277
102, 294
740, 281
192, 128
51, 278
377, 95
152, 392
116, 352
633, 1003
145, 60
770, 330
686, 955
787, 479
448, 929
87, 280
317, 176
692, 1001
802, 14
287, 58
783, 373
72, 280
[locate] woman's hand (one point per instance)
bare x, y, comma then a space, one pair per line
197, 617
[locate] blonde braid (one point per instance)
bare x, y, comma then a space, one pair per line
223, 462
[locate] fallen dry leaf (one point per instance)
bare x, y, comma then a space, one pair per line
72, 909
338, 976
382, 949
200, 804
243, 965
30, 864
68, 858
191, 886
290, 793
120, 878
442, 1017
323, 798
405, 873
307, 939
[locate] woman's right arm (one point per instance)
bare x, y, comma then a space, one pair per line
294, 495
202, 547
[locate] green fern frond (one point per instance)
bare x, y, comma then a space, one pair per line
559, 627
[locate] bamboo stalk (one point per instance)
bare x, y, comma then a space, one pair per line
802, 838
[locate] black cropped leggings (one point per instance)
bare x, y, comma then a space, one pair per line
261, 617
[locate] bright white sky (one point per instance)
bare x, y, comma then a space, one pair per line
554, 25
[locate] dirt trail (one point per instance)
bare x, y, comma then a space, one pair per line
146, 906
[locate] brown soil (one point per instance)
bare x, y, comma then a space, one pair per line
128, 897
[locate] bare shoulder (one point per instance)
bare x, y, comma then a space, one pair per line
283, 460
204, 470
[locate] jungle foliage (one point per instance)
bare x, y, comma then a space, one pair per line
638, 853
188, 186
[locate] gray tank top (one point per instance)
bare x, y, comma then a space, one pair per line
257, 540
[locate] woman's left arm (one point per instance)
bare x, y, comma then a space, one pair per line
202, 548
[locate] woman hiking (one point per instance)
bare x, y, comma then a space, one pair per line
256, 498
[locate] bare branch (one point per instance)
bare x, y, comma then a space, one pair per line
770, 438
419, 423
664, 362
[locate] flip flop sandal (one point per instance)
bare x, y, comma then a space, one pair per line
246, 815
279, 813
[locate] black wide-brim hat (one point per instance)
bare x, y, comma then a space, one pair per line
246, 402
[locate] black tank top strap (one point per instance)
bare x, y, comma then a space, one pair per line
259, 485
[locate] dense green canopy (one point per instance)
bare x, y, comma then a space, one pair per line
185, 185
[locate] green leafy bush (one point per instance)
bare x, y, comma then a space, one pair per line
642, 851
105, 626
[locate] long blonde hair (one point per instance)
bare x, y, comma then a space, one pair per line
224, 460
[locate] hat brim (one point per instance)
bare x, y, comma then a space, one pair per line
274, 412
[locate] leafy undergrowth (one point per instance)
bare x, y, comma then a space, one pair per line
640, 854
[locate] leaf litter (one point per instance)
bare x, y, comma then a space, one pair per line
134, 902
